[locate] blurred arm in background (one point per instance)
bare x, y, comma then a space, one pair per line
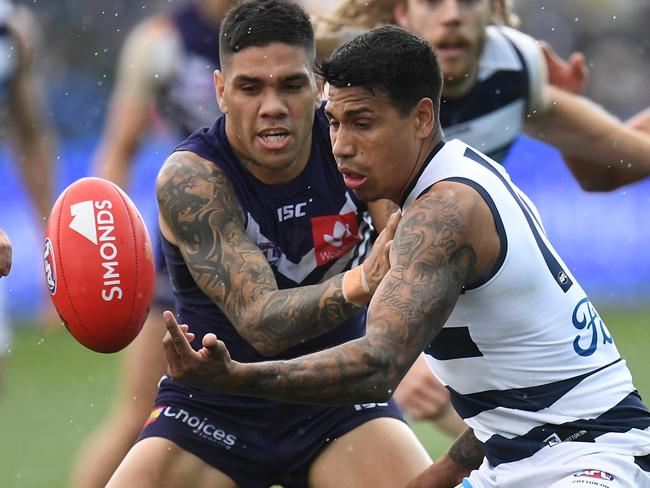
618, 153
28, 122
145, 66
602, 152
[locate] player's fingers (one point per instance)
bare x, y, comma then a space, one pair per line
209, 341
177, 338
186, 330
579, 66
549, 52
393, 221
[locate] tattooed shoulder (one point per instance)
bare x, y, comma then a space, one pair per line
194, 191
432, 260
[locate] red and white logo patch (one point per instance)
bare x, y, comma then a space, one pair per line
334, 236
595, 473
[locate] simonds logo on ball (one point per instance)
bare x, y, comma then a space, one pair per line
99, 227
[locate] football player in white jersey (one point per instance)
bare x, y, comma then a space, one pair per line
481, 56
473, 42
474, 283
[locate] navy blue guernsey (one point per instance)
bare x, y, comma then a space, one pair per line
198, 36
189, 100
309, 229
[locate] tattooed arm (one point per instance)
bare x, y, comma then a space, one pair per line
200, 214
435, 255
464, 455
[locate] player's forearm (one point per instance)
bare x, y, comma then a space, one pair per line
35, 162
286, 318
354, 372
125, 128
466, 452
602, 153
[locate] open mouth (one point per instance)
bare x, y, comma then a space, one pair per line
274, 139
353, 180
451, 49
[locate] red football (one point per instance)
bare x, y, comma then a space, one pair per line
99, 264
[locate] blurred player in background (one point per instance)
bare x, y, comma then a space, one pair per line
499, 83
263, 242
165, 73
24, 123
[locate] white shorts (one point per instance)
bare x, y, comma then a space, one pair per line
5, 326
572, 466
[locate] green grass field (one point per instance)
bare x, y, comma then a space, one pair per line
56, 391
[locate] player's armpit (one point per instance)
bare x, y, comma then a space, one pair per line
200, 214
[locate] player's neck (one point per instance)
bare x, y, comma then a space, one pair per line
458, 88
422, 159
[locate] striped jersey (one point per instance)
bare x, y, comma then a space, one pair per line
512, 73
527, 359
309, 230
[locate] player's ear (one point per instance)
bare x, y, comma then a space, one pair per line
219, 87
399, 12
424, 117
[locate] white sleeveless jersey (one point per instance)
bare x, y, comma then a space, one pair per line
526, 357
511, 77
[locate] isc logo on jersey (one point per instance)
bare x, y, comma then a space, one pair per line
95, 221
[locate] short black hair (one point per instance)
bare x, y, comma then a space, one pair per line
262, 22
387, 60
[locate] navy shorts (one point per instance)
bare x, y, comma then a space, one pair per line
257, 443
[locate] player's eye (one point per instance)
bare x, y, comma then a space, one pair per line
363, 124
248, 88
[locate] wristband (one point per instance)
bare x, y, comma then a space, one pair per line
353, 287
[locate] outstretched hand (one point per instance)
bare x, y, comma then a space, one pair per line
5, 254
209, 368
570, 75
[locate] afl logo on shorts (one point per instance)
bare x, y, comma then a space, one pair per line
595, 473
49, 265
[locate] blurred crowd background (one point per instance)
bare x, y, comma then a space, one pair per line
82, 40
603, 238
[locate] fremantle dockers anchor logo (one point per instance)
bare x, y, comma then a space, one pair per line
586, 318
